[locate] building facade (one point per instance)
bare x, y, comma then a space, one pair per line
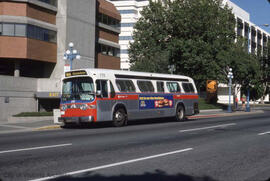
34, 35
130, 13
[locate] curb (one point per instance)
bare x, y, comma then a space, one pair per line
47, 127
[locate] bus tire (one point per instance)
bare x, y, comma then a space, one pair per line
180, 113
119, 117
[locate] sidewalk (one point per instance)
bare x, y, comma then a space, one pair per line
28, 124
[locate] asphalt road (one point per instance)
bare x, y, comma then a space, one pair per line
217, 149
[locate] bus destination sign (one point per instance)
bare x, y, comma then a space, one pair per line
75, 73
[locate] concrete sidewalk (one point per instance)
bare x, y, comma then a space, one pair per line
33, 124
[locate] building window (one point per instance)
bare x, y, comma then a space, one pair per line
29, 31
127, 24
51, 2
20, 30
125, 38
108, 50
8, 29
128, 11
102, 18
124, 51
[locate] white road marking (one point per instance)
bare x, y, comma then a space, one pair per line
210, 127
260, 134
113, 164
35, 148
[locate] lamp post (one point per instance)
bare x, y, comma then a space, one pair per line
171, 68
71, 54
230, 77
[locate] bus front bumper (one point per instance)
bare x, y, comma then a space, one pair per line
78, 120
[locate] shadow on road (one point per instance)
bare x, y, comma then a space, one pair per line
158, 175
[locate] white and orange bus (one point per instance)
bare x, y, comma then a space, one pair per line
95, 95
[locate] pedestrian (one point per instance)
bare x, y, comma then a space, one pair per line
243, 102
236, 102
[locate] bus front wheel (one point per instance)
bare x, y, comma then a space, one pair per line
180, 113
119, 117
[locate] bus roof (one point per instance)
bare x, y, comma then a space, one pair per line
133, 74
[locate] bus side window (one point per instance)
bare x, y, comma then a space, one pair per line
145, 86
102, 86
160, 86
188, 87
173, 87
112, 90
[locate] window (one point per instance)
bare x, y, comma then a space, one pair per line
188, 87
102, 18
112, 95
8, 29
30, 31
1, 29
108, 50
20, 30
103, 87
127, 24
125, 38
173, 87
160, 86
145, 86
125, 86
124, 51
128, 11
51, 2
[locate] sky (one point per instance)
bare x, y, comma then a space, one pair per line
259, 11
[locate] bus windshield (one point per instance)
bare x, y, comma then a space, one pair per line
78, 88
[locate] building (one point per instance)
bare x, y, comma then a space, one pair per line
34, 35
130, 13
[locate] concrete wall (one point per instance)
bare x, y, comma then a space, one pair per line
17, 94
76, 21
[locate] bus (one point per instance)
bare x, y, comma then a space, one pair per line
96, 95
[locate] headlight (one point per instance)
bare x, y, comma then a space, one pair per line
63, 107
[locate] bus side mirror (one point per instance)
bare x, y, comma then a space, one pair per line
98, 93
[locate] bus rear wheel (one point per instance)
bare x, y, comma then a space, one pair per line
180, 113
119, 117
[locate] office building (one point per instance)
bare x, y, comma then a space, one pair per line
34, 35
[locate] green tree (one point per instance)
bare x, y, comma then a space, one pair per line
192, 35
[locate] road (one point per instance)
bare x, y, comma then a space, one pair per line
217, 149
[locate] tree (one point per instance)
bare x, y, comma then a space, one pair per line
192, 35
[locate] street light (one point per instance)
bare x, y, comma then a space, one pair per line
171, 68
71, 54
230, 77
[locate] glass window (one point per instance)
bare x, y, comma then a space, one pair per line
52, 36
188, 87
145, 86
20, 30
103, 87
110, 51
160, 86
173, 87
125, 85
0, 29
8, 29
78, 89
